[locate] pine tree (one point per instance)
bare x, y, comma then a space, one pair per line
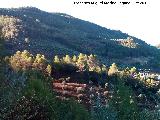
82, 62
91, 62
25, 61
25, 54
133, 70
67, 59
56, 59
18, 53
49, 69
98, 69
74, 59
113, 69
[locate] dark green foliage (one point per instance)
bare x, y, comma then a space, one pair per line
154, 63
63, 69
29, 95
33, 102
140, 88
150, 114
104, 113
114, 50
3, 50
37, 101
100, 111
11, 85
124, 102
71, 110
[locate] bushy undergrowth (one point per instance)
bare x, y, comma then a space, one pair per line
28, 94
122, 106
37, 101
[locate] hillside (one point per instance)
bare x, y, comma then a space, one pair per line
44, 76
56, 33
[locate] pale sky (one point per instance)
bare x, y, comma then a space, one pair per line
139, 20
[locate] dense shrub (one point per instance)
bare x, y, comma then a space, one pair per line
38, 101
26, 61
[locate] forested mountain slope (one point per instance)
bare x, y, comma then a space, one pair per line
56, 33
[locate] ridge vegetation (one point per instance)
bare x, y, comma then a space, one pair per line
56, 33
57, 67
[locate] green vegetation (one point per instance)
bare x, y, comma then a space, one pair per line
113, 69
60, 34
123, 105
35, 98
124, 102
37, 101
27, 94
26, 61
72, 85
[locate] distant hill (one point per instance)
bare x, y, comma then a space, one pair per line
158, 46
57, 33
